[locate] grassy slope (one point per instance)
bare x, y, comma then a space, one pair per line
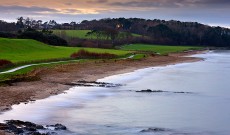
79, 33
73, 33
158, 48
26, 50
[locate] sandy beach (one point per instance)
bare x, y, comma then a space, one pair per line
53, 81
4, 133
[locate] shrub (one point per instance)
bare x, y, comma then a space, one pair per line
5, 63
46, 37
83, 54
7, 35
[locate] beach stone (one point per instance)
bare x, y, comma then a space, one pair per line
28, 128
33, 133
3, 126
60, 127
161, 91
154, 130
15, 130
93, 84
57, 127
153, 91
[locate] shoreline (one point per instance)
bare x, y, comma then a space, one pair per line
54, 81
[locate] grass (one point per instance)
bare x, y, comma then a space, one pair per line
27, 50
21, 51
72, 33
136, 35
139, 56
83, 54
161, 49
24, 71
78, 34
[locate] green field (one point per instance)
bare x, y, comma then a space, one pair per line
77, 34
72, 33
27, 50
161, 49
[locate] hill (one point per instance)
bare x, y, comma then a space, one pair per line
111, 32
26, 50
166, 32
71, 33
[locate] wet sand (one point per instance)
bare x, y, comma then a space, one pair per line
4, 133
53, 81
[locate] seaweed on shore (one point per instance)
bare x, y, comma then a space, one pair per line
93, 84
161, 91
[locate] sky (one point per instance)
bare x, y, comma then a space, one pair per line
211, 12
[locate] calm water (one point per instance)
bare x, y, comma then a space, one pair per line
116, 111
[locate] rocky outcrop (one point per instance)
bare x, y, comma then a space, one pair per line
93, 84
152, 91
161, 91
28, 128
154, 130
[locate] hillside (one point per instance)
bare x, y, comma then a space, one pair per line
110, 32
171, 32
71, 33
26, 50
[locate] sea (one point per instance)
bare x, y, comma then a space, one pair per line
186, 99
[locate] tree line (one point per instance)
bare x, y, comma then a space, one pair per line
118, 30
167, 32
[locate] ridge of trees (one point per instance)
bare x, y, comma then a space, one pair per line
167, 32
29, 29
153, 31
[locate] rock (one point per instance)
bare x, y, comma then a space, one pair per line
60, 127
30, 129
34, 133
51, 133
27, 128
56, 127
14, 129
161, 91
39, 127
3, 127
154, 91
154, 130
93, 84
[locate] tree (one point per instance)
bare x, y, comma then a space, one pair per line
113, 34
28, 22
20, 22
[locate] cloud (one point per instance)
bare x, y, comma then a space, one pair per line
210, 1
68, 4
34, 10
21, 9
207, 11
97, 1
170, 3
141, 4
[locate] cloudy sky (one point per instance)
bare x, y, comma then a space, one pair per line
212, 12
